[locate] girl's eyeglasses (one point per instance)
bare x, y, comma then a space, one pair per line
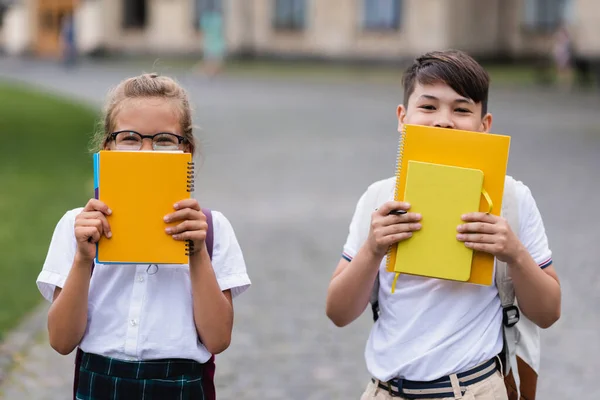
132, 141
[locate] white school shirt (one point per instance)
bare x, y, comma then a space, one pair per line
430, 328
141, 313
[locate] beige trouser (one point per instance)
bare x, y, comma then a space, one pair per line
491, 388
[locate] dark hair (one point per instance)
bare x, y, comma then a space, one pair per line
452, 67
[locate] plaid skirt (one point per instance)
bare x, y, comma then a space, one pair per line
103, 378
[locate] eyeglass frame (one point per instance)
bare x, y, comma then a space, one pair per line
180, 139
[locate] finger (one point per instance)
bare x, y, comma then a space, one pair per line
485, 247
185, 214
395, 238
400, 228
187, 203
393, 205
476, 238
95, 237
400, 219
477, 227
479, 217
189, 225
87, 233
97, 205
191, 235
96, 215
91, 223
405, 218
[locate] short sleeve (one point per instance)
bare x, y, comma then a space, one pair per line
532, 232
61, 254
359, 225
228, 260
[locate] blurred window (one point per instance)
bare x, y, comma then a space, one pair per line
134, 13
203, 6
382, 14
3, 8
289, 15
544, 15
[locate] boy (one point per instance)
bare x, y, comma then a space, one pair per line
432, 329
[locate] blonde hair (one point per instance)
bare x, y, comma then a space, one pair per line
145, 86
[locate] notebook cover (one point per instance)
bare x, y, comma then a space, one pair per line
441, 194
141, 188
484, 151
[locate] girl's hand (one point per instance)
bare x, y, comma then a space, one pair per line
491, 234
387, 229
90, 225
194, 225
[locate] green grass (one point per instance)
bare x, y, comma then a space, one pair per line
45, 170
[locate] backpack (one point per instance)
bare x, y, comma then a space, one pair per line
208, 372
521, 351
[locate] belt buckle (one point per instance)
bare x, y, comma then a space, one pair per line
399, 384
389, 388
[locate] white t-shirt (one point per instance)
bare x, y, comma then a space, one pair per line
431, 328
141, 313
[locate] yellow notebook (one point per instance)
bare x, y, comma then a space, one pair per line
483, 151
141, 188
441, 194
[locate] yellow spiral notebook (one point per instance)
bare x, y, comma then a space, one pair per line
141, 187
441, 194
481, 151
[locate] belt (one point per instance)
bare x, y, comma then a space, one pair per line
441, 387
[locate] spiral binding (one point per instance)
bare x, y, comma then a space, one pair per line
189, 245
399, 157
190, 176
189, 248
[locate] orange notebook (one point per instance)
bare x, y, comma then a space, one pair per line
482, 151
141, 187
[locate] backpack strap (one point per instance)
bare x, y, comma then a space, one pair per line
382, 197
209, 370
504, 284
506, 291
209, 232
375, 299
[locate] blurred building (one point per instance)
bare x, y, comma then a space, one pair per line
339, 29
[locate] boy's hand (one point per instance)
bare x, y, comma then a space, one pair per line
491, 234
194, 225
387, 230
90, 225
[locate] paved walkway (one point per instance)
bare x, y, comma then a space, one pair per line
286, 163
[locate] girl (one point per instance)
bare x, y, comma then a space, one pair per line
144, 332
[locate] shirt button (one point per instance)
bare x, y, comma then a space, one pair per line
141, 278
133, 322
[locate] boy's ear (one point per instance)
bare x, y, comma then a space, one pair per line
401, 114
486, 123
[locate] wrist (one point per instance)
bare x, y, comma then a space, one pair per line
519, 257
373, 255
83, 261
199, 253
